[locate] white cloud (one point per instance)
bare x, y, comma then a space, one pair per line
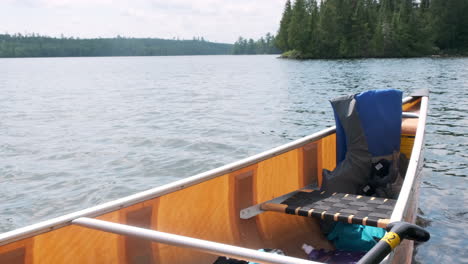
216, 20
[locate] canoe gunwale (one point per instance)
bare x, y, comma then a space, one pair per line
65, 220
61, 221
413, 166
410, 184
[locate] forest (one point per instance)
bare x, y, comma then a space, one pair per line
373, 28
33, 45
309, 29
264, 45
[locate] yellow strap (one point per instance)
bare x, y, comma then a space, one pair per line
392, 239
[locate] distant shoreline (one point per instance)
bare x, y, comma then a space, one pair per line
127, 56
281, 56
34, 46
289, 56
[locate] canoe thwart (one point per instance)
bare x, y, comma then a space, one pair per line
210, 247
254, 210
409, 115
338, 207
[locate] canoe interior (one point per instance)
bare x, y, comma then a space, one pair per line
208, 210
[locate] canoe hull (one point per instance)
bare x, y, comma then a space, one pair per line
404, 253
205, 206
407, 207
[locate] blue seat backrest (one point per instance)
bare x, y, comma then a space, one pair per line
380, 115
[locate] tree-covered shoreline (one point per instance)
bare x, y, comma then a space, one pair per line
373, 28
17, 45
309, 29
264, 45
34, 45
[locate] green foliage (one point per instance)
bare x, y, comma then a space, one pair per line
373, 28
282, 36
39, 46
450, 23
293, 54
265, 45
328, 30
298, 29
313, 16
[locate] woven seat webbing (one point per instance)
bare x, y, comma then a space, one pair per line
348, 208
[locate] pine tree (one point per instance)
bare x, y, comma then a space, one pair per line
237, 49
375, 28
251, 47
298, 27
328, 30
282, 36
260, 46
360, 33
403, 29
313, 41
450, 24
425, 4
388, 24
269, 42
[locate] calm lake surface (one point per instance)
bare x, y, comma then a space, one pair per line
77, 132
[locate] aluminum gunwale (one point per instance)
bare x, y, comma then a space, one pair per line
94, 211
411, 172
61, 221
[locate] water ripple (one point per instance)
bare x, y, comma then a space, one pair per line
76, 132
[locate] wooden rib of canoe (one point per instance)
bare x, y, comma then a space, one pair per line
207, 206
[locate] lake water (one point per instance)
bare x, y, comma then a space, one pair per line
76, 132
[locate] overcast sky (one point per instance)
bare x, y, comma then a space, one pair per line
215, 20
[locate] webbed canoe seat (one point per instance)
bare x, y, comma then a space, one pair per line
338, 207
